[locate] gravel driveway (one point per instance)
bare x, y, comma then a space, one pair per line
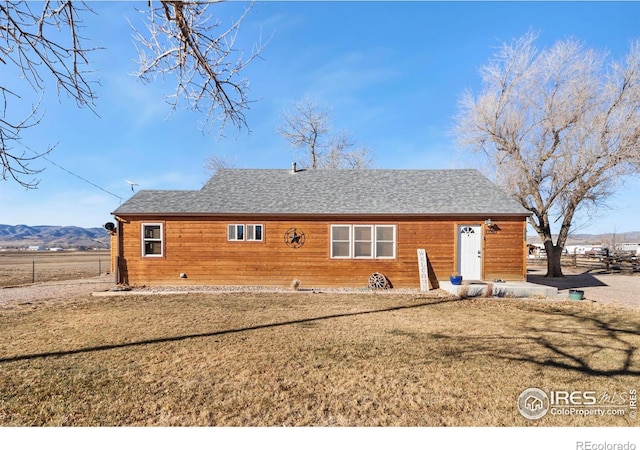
53, 292
607, 288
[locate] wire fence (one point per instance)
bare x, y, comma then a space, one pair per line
21, 268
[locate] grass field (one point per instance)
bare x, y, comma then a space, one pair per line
20, 267
309, 359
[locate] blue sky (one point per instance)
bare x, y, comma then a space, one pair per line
391, 72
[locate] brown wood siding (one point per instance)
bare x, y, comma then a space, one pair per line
198, 247
504, 250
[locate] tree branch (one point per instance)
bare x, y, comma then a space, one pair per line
208, 78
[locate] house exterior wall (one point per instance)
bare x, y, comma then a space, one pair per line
198, 247
628, 247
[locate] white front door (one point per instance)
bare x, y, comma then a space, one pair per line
470, 251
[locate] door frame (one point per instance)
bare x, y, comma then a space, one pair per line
457, 258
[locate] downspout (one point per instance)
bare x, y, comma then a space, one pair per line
118, 273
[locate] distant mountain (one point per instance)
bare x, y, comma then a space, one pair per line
22, 236
632, 236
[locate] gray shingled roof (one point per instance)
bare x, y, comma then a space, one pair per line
253, 191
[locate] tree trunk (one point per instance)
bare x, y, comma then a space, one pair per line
554, 254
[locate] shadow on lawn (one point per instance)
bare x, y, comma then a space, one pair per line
214, 333
594, 336
572, 281
580, 349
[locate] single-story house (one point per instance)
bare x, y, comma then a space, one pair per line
577, 249
628, 247
326, 228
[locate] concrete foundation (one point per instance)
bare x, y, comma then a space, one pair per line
506, 289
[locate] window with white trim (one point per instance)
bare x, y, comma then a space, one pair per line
235, 232
242, 232
254, 232
363, 241
385, 241
340, 241
152, 240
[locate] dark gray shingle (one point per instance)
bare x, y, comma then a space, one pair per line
255, 191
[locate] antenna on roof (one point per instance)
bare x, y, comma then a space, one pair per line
132, 184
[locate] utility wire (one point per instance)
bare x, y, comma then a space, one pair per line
71, 173
81, 178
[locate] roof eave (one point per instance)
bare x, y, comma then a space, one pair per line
320, 215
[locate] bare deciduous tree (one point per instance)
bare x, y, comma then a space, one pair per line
180, 39
30, 41
215, 163
307, 127
341, 154
560, 125
15, 164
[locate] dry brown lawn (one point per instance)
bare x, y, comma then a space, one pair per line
300, 359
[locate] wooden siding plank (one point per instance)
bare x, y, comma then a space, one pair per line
199, 248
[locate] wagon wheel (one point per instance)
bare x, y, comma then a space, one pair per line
378, 281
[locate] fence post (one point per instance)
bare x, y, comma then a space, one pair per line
33, 270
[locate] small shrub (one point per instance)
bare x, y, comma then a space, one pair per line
463, 292
295, 284
488, 292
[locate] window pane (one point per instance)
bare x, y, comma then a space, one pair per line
240, 232
232, 232
362, 233
340, 250
362, 237
384, 233
385, 241
153, 248
362, 249
152, 231
254, 233
384, 249
340, 233
152, 240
